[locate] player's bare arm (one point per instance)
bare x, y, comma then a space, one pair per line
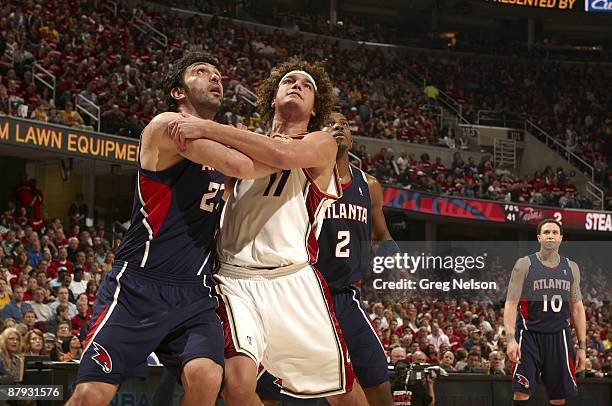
380, 232
515, 288
159, 152
315, 150
578, 317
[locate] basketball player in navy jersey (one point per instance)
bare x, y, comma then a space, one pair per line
157, 297
351, 223
276, 307
545, 287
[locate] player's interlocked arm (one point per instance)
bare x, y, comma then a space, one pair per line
206, 151
315, 150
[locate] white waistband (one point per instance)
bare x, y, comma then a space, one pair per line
252, 273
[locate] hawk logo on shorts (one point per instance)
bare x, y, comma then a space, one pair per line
102, 358
522, 380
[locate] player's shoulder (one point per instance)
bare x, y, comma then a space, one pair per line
162, 120
523, 262
371, 180
572, 264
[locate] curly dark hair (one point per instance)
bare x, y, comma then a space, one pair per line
176, 75
324, 98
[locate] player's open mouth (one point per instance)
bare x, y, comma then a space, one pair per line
295, 94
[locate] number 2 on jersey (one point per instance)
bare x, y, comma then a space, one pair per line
344, 238
208, 199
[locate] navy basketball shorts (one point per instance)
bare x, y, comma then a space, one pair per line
136, 314
365, 349
546, 358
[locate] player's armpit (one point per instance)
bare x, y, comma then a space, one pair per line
517, 278
575, 293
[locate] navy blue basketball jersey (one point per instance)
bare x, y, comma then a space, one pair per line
174, 220
544, 304
346, 226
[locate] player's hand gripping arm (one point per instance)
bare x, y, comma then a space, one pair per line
578, 317
515, 289
315, 150
207, 152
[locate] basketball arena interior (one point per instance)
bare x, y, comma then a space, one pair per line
478, 118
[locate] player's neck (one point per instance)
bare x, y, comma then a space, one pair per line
342, 162
281, 125
548, 255
203, 114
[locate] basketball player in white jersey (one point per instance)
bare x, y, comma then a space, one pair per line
276, 305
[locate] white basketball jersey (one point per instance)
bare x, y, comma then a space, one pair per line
274, 221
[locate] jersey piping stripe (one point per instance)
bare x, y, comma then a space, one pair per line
146, 224
519, 345
110, 309
567, 359
368, 320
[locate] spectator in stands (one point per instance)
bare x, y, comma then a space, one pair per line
473, 363
10, 351
33, 343
448, 359
35, 253
28, 295
51, 346
78, 285
83, 316
71, 348
16, 307
496, 364
42, 311
10, 242
62, 314
62, 298
398, 353
61, 261
460, 359
29, 319
437, 336
5, 297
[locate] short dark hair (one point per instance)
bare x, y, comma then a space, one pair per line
546, 221
176, 75
324, 97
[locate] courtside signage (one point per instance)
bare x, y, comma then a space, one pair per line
67, 140
547, 4
598, 6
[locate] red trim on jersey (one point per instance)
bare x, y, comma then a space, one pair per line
347, 185
524, 309
229, 348
156, 197
349, 374
572, 367
94, 327
313, 201
335, 179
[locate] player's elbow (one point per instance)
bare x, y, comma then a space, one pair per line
238, 168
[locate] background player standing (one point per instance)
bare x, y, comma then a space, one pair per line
268, 245
156, 296
546, 288
350, 224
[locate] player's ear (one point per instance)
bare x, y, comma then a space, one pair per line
314, 113
177, 93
